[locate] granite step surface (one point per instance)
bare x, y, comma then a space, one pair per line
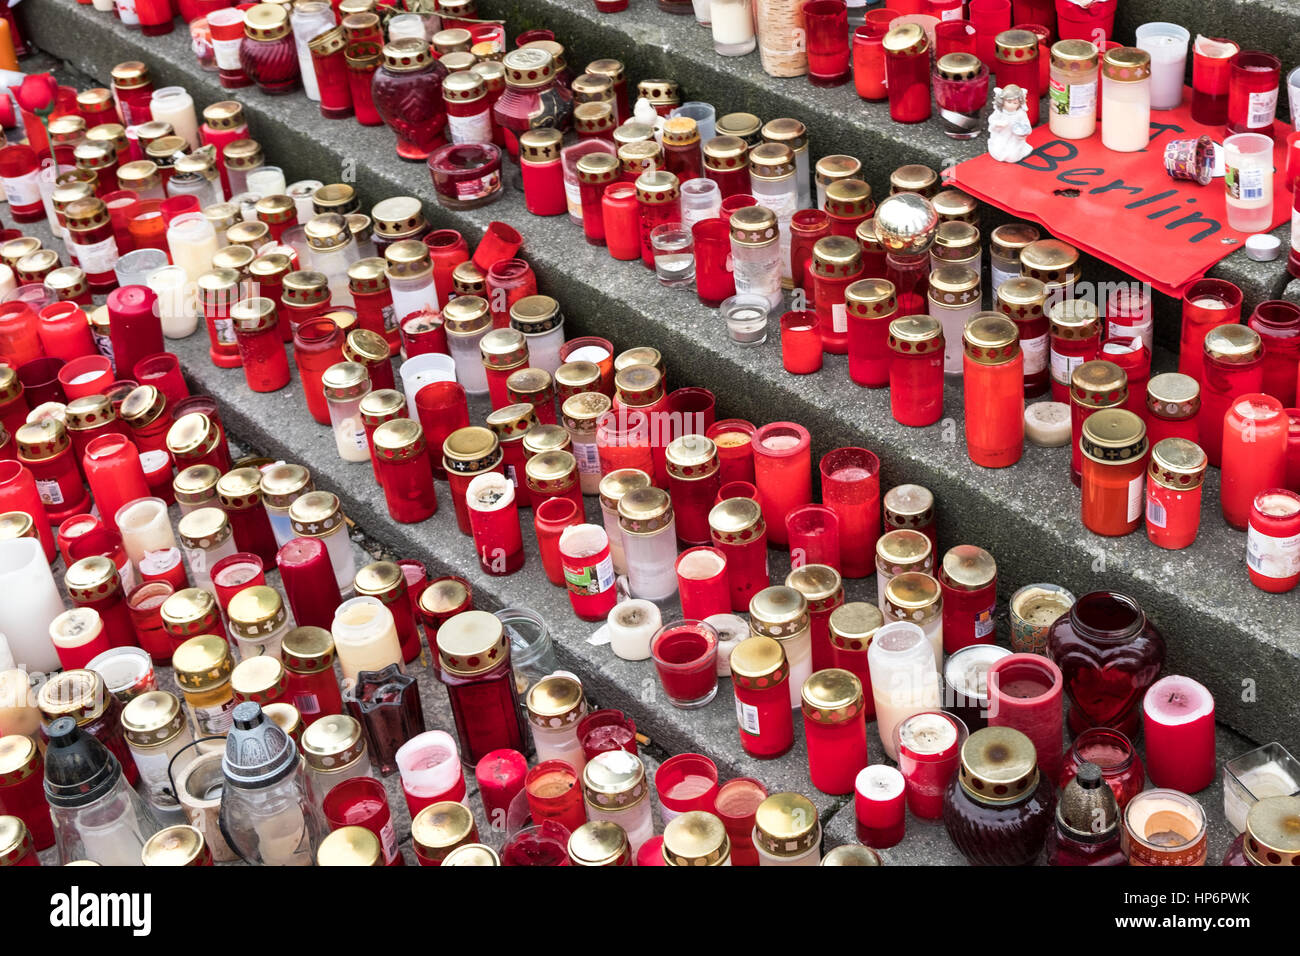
1243, 643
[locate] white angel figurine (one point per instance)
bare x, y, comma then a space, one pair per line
1009, 125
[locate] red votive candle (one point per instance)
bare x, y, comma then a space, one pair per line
18, 492
87, 375
500, 775
65, 332
702, 583
429, 764
134, 326
555, 794
686, 782
736, 804
1273, 541
309, 582
442, 409
685, 655
929, 748
1178, 723
880, 806
851, 489
1121, 767
782, 473
604, 730
112, 466
1206, 303
145, 604
801, 342
550, 518
363, 802
1254, 454
813, 532
588, 571
1025, 694
733, 438
235, 572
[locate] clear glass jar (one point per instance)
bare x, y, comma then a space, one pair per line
532, 654
96, 814
756, 253
615, 789
1126, 99
345, 384
410, 277
156, 731
309, 19
649, 543
787, 831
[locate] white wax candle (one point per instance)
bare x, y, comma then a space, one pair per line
1167, 45
1047, 424
731, 629
177, 308
31, 601
192, 242
631, 625
76, 628
588, 353
429, 763
145, 528
267, 181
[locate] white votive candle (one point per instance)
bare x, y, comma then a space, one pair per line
631, 625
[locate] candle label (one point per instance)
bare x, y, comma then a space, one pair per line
1073, 99
1156, 514
574, 198
388, 839
839, 317
1272, 557
484, 185
588, 458
1000, 277
214, 720
1246, 184
1143, 328
126, 13
153, 765
22, 190
227, 55
1260, 109
1035, 353
224, 330
984, 622
591, 578
470, 129
1135, 489
97, 257
307, 704
747, 717
49, 490
390, 318
1063, 366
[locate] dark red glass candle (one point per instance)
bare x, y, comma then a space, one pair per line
1114, 753
22, 793
405, 470
801, 342
850, 480
317, 344
308, 657
233, 573
907, 73
1206, 303
554, 793
329, 60
783, 473
483, 699
261, 346
827, 24
362, 60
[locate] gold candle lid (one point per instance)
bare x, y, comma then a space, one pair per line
758, 662
442, 827
1008, 240
736, 521
614, 780
820, 584
1273, 832
853, 625
991, 339
1126, 64
307, 650
791, 132
771, 161
398, 217
223, 115
1177, 463
753, 226
696, 838
202, 662
849, 199
599, 843
914, 178
998, 765
256, 612
1074, 56
915, 335
400, 439
617, 483
1170, 395
1015, 46
691, 458
851, 854
466, 315
786, 825
913, 596
316, 514
956, 240
333, 742
529, 68
178, 845
837, 166
1113, 436
644, 511
723, 153
1233, 344
744, 125
633, 132
540, 145
1072, 318
512, 422
831, 697
1049, 260
543, 438
259, 679
472, 642
555, 701
350, 846
779, 612
196, 484
903, 549
954, 285
968, 568
1098, 384
573, 378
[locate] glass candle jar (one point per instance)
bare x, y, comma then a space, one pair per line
1272, 548
738, 530
907, 73
836, 263
1253, 454
693, 482
1232, 365
1116, 757
961, 90
870, 306
1164, 828
998, 809
1126, 99
203, 666
615, 790
1253, 81
1207, 303
756, 253
658, 203
555, 706
258, 621
954, 299
726, 162
404, 470
407, 93
1173, 510
308, 655
1094, 386
759, 675
317, 514
539, 318
267, 54
1114, 447
1017, 55
835, 727
344, 385
916, 346
649, 542
1075, 339
787, 831
543, 176
365, 636
474, 655
157, 732
994, 386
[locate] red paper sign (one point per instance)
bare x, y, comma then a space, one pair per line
1124, 208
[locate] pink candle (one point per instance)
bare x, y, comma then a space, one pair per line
429, 764
500, 775
1025, 694
1178, 720
878, 803
929, 745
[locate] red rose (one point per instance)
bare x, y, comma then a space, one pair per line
37, 92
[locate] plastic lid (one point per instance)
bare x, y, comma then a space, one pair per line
78, 768
258, 753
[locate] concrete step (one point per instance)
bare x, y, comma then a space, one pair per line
1218, 626
652, 43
